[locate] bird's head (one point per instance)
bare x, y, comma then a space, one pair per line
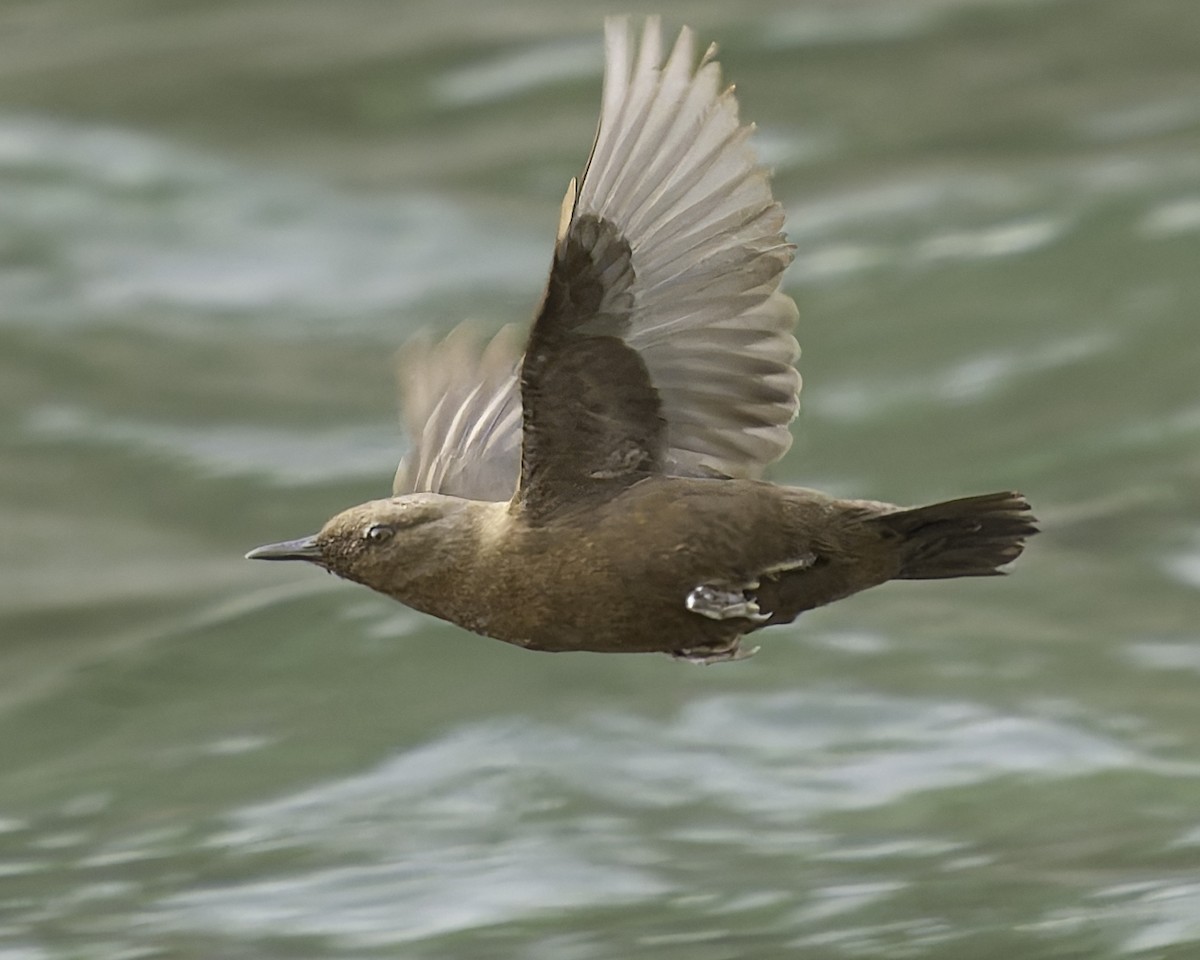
384, 544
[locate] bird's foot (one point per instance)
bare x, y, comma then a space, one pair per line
724, 602
725, 653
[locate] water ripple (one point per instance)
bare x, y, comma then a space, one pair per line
451, 890
500, 820
97, 223
500, 78
287, 458
964, 380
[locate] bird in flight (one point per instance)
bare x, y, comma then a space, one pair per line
599, 486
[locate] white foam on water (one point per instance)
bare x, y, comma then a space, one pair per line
784, 150
1152, 118
499, 78
1165, 655
23, 952
479, 826
1184, 567
835, 262
813, 25
104, 224
21, 868
1001, 240
1162, 912
286, 458
446, 891
859, 643
965, 380
838, 899
882, 202
1172, 218
1173, 918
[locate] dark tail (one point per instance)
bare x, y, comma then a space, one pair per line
970, 537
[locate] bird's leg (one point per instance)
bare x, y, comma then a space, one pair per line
724, 601
725, 652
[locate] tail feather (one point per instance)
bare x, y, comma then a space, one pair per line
970, 537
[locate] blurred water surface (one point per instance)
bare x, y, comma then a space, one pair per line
217, 221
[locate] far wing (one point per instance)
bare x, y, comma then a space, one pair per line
463, 414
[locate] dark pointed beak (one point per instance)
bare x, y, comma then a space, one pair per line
306, 548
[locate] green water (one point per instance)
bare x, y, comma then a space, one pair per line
217, 221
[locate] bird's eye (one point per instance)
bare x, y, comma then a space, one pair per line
378, 533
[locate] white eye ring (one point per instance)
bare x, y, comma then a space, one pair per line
378, 533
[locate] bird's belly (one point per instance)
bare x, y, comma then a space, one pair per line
632, 602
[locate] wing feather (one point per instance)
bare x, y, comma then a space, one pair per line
672, 170
463, 413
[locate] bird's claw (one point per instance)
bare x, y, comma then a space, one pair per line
707, 655
724, 603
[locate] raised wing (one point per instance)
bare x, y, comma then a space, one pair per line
673, 169
691, 305
662, 342
592, 419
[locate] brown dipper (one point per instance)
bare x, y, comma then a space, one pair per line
657, 382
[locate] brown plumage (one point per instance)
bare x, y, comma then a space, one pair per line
601, 491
